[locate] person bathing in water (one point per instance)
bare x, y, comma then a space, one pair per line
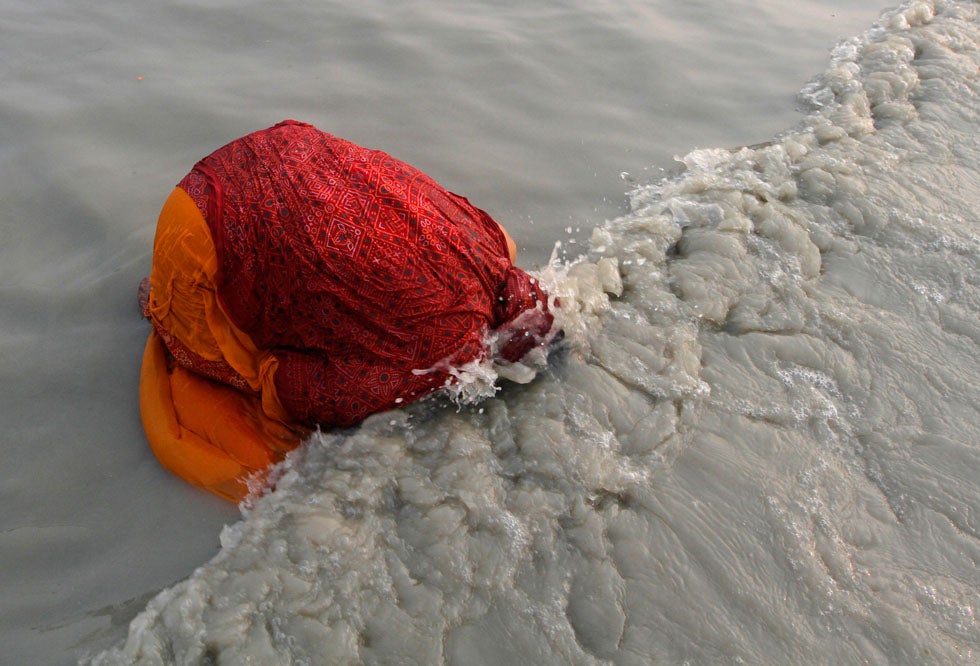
300, 281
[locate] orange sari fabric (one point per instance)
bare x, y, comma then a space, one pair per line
222, 426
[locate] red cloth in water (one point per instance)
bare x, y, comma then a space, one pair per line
355, 269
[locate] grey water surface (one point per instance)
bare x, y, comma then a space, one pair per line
758, 443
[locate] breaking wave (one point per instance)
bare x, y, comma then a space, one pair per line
756, 443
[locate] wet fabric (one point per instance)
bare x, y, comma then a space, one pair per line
207, 396
356, 270
302, 281
210, 434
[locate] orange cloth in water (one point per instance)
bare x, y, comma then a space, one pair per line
215, 434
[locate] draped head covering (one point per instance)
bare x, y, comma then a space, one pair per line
357, 271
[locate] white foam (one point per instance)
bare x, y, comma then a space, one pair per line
758, 436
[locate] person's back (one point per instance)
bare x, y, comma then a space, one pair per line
317, 279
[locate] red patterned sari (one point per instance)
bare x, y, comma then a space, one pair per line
313, 278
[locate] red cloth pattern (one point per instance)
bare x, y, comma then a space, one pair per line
355, 269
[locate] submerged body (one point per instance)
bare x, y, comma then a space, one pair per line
301, 281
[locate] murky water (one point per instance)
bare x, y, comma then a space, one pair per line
756, 444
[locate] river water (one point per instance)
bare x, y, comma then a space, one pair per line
756, 443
